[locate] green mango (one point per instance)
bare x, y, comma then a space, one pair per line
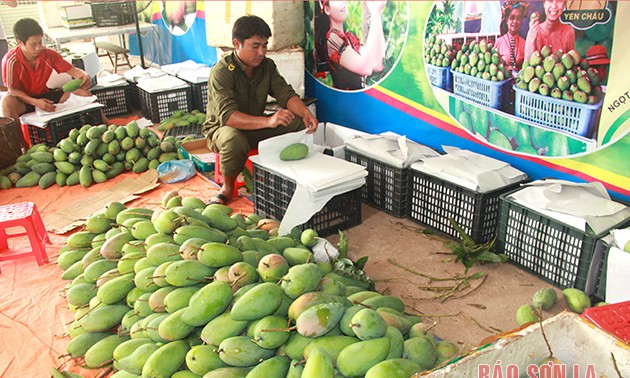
188, 273
219, 219
332, 345
79, 345
201, 359
228, 372
72, 85
318, 364
207, 303
421, 351
135, 361
144, 279
156, 299
173, 328
301, 279
162, 252
295, 151
356, 359
116, 289
271, 332
368, 324
216, 255
393, 368
274, 367
101, 353
221, 328
262, 300
179, 298
165, 361
241, 351
319, 319
104, 317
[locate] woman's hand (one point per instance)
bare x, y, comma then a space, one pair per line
375, 6
86, 82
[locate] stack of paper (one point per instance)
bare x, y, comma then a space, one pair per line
574, 204
136, 73
111, 80
390, 148
470, 170
318, 177
188, 70
160, 84
74, 104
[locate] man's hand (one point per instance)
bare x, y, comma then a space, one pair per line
45, 104
282, 117
310, 123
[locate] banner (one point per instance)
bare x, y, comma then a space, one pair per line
537, 84
180, 32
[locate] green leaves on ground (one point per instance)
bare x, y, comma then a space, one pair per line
469, 252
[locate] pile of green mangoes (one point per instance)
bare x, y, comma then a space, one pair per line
196, 290
91, 155
560, 75
545, 299
181, 118
437, 52
481, 60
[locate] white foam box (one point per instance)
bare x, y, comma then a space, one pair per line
580, 346
290, 63
285, 18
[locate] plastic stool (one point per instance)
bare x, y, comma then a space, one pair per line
23, 215
612, 318
239, 183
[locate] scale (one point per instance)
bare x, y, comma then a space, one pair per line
76, 16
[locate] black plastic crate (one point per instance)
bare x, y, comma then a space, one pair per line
602, 270
185, 131
160, 105
433, 202
112, 13
555, 252
200, 96
273, 192
135, 95
59, 128
386, 186
117, 100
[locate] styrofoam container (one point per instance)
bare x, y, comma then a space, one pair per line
290, 63
580, 346
285, 18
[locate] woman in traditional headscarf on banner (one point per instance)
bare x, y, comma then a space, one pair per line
511, 46
347, 59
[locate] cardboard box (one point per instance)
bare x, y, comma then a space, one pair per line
285, 18
198, 151
290, 63
576, 342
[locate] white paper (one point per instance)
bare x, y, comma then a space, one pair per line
324, 251
621, 237
160, 84
573, 204
318, 177
143, 122
137, 72
389, 148
470, 170
40, 120
73, 102
617, 273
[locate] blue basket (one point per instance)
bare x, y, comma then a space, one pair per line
556, 113
439, 76
493, 94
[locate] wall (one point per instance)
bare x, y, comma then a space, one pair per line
401, 98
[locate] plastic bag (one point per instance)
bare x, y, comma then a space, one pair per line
176, 171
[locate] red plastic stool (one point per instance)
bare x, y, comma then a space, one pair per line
612, 318
23, 215
240, 182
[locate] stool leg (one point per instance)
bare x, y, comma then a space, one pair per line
39, 226
37, 244
3, 240
115, 63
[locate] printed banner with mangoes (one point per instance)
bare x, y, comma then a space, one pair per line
538, 84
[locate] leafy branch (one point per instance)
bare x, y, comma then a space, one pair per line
469, 252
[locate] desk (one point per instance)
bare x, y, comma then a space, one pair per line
61, 34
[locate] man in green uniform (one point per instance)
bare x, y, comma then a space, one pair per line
237, 94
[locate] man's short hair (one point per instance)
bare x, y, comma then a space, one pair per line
248, 26
26, 28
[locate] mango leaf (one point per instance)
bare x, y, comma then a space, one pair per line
489, 257
360, 263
